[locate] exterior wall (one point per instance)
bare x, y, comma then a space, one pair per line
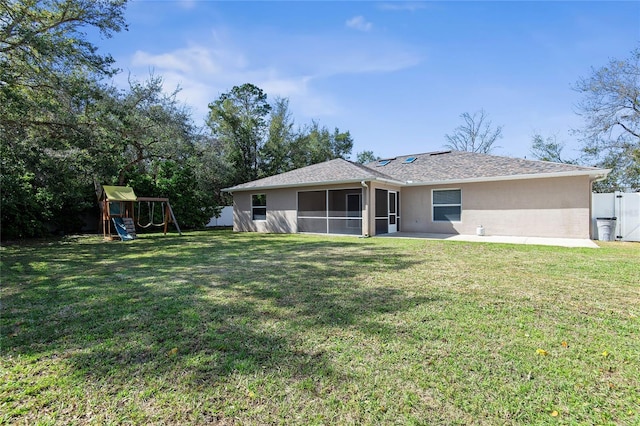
281, 212
282, 209
549, 207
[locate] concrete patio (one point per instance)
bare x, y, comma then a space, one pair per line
542, 241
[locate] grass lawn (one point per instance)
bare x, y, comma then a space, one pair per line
217, 327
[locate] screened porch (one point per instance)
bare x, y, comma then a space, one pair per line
332, 211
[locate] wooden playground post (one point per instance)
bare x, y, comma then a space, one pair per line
126, 199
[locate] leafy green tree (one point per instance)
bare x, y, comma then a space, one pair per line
611, 109
161, 152
315, 144
341, 144
49, 75
476, 134
238, 119
192, 206
256, 139
143, 125
275, 152
212, 172
366, 156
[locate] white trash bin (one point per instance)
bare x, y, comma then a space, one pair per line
606, 228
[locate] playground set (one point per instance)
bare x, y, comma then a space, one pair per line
118, 208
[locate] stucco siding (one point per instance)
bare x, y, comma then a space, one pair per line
281, 212
550, 207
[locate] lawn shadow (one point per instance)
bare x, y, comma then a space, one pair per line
198, 307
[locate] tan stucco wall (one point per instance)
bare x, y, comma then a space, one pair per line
281, 212
551, 207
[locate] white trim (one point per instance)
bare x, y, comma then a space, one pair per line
259, 207
389, 213
445, 205
597, 174
592, 174
322, 184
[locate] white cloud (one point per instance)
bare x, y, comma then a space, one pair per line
195, 58
359, 23
216, 63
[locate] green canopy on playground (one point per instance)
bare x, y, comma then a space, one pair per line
119, 193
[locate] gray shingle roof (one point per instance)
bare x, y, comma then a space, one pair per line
459, 165
435, 167
332, 171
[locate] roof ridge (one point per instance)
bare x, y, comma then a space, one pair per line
370, 170
535, 160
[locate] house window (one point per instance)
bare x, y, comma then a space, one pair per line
259, 207
447, 205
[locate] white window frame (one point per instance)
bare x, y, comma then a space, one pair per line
253, 208
433, 205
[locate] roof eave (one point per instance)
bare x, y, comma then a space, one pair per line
595, 174
320, 183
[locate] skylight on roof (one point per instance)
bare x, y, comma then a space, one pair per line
383, 162
409, 160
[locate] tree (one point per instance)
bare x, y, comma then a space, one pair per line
177, 181
475, 134
143, 124
365, 157
275, 152
314, 144
49, 75
212, 173
611, 109
549, 149
47, 67
159, 151
257, 138
238, 120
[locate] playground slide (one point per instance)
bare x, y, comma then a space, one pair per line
122, 229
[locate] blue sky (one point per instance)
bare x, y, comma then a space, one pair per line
397, 75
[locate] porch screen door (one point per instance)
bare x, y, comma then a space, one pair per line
393, 212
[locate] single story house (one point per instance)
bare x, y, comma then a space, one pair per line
446, 192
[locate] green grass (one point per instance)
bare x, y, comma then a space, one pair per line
217, 327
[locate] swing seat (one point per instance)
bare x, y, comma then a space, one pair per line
151, 209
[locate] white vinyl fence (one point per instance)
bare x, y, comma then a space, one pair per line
225, 219
625, 207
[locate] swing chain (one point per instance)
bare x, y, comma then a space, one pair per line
151, 214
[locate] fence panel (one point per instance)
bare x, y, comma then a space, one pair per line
625, 207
